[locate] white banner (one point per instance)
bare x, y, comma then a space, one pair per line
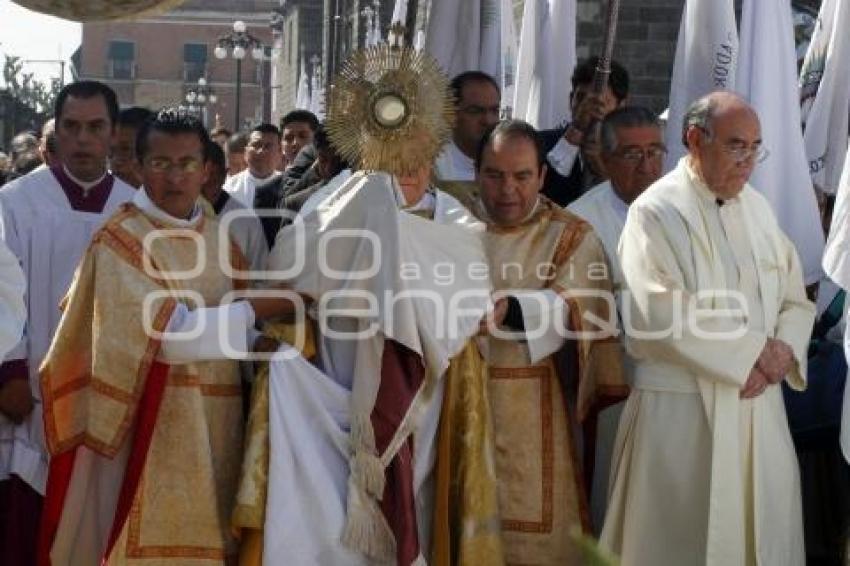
767, 77
547, 56
465, 36
706, 59
825, 94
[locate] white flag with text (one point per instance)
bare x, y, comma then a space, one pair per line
706, 59
825, 94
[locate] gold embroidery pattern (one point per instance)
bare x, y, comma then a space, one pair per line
540, 373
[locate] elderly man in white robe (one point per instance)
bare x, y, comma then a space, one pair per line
704, 467
633, 155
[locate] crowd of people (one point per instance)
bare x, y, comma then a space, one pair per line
615, 366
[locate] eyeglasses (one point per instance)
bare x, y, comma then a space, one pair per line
741, 153
738, 150
161, 166
636, 155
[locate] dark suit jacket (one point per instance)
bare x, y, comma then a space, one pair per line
270, 195
563, 190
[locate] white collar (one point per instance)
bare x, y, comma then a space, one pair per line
86, 185
427, 202
260, 180
143, 201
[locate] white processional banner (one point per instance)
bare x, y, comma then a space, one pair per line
465, 36
825, 94
706, 60
767, 78
547, 56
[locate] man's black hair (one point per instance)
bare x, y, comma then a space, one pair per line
300, 116
215, 155
87, 89
266, 128
172, 121
618, 80
134, 117
461, 80
511, 129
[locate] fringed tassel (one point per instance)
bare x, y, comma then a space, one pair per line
366, 469
367, 473
366, 530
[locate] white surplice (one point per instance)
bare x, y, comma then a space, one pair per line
49, 238
701, 476
454, 165
13, 311
247, 230
243, 186
311, 409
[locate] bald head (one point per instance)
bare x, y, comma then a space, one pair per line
723, 136
704, 110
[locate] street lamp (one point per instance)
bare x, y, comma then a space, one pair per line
238, 43
199, 97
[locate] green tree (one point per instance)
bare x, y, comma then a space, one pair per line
23, 87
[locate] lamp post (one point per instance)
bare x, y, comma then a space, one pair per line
199, 97
237, 44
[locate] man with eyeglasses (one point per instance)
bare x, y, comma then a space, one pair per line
263, 156
143, 407
477, 99
633, 155
716, 317
47, 219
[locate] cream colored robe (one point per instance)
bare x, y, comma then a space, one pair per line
701, 476
542, 495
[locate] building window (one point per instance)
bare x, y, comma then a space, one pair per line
122, 60
194, 61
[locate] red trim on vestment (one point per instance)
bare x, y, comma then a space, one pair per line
62, 466
145, 421
58, 480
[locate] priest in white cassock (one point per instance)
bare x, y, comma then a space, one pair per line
48, 218
716, 316
632, 152
263, 157
562, 362
143, 417
341, 448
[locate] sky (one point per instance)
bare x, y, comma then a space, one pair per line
31, 35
